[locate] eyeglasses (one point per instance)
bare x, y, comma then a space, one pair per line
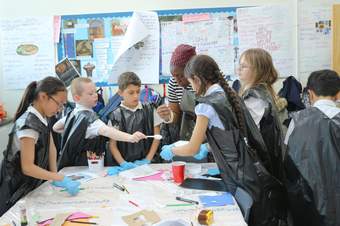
242, 67
61, 106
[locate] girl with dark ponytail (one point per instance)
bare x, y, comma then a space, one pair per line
234, 140
30, 157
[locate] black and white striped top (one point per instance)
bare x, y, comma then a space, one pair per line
175, 92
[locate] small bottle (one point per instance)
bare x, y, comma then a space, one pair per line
23, 216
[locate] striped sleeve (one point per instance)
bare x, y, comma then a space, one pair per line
173, 91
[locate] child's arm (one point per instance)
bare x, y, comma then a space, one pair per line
28, 167
154, 145
196, 139
52, 156
115, 134
115, 152
58, 127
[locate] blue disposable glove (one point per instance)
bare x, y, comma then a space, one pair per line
72, 187
214, 171
127, 165
62, 183
202, 152
166, 152
113, 170
142, 162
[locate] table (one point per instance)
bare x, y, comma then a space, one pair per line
99, 198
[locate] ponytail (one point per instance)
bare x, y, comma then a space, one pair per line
27, 98
49, 85
207, 70
234, 101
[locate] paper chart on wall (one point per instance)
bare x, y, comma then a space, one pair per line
269, 28
28, 50
138, 51
314, 36
211, 34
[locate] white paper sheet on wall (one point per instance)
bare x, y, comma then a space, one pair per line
138, 51
269, 28
27, 50
314, 36
211, 34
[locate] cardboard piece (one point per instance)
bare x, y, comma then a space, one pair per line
141, 218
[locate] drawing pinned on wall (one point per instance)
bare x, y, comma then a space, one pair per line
323, 27
118, 27
264, 39
96, 29
84, 48
27, 49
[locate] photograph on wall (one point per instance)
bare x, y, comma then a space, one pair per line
96, 29
66, 71
69, 24
84, 48
118, 27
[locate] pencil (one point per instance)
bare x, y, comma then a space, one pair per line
82, 222
133, 203
184, 204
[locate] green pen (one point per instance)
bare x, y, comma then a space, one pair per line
79, 189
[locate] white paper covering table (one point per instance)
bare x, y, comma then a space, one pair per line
100, 198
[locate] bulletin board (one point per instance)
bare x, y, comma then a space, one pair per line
91, 38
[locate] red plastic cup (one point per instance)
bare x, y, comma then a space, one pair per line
178, 169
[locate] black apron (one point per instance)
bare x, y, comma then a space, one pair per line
13, 183
238, 158
271, 131
312, 168
130, 122
74, 146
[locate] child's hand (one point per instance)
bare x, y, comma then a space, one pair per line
127, 165
142, 162
136, 137
166, 152
111, 171
202, 152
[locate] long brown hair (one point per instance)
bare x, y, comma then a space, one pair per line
49, 85
262, 66
207, 70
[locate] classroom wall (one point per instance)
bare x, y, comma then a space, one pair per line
17, 8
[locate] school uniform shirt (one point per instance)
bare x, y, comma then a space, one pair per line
328, 107
256, 108
92, 129
208, 111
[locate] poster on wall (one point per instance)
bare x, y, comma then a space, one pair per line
27, 50
269, 28
314, 36
211, 33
